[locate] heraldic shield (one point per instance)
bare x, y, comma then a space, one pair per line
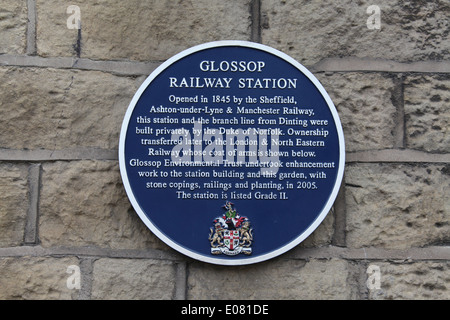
232, 233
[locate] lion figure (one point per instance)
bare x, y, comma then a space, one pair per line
216, 236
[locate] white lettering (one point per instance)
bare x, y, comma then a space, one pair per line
374, 21
233, 66
74, 280
74, 20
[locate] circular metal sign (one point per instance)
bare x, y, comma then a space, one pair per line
231, 152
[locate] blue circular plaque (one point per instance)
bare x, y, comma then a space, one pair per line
231, 152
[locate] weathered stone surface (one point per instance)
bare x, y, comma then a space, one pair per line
413, 281
36, 278
312, 30
138, 30
133, 279
427, 100
397, 205
276, 279
62, 109
13, 26
365, 108
13, 204
84, 203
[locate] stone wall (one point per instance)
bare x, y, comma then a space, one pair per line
63, 95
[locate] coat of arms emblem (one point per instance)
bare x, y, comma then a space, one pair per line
232, 233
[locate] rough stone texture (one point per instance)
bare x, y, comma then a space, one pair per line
131, 279
277, 279
69, 109
427, 100
312, 30
365, 108
84, 203
139, 30
413, 281
13, 26
323, 235
13, 204
397, 205
36, 278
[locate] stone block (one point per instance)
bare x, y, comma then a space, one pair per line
323, 235
365, 108
37, 278
310, 31
13, 203
397, 206
426, 280
427, 119
83, 203
13, 27
133, 279
62, 109
273, 280
138, 30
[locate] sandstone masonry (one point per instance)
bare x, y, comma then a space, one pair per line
63, 96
